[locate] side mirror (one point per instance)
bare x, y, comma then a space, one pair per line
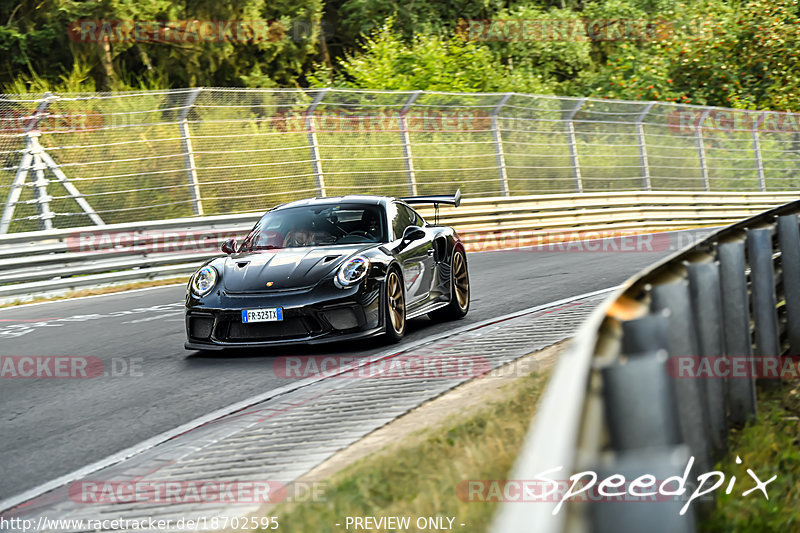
229, 246
413, 233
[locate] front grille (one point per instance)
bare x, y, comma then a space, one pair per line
200, 326
285, 329
344, 318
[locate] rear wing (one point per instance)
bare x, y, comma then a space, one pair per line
436, 199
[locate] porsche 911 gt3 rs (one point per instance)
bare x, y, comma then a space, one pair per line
329, 269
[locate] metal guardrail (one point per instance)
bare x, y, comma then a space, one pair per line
73, 258
70, 160
616, 404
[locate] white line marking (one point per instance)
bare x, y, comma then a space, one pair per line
156, 317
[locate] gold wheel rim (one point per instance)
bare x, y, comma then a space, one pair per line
397, 303
461, 280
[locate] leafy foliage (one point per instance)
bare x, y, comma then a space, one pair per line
429, 62
737, 53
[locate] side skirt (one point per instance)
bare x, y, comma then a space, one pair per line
427, 308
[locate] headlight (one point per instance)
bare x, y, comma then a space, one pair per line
352, 271
204, 280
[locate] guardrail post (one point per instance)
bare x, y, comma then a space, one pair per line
404, 137
498, 146
573, 145
633, 424
313, 144
762, 182
188, 154
736, 327
701, 150
673, 298
643, 147
629, 513
707, 306
762, 282
789, 239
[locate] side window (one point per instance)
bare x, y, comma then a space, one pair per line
418, 220
401, 219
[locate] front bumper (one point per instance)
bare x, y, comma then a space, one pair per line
310, 317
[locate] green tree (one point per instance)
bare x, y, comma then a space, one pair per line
719, 53
429, 62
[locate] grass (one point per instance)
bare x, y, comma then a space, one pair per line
418, 476
769, 446
99, 290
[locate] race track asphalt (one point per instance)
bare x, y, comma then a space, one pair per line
52, 426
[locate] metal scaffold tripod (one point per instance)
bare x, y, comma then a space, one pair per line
35, 159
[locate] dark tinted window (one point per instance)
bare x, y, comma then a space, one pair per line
418, 220
317, 225
403, 217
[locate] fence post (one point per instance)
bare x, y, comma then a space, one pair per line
573, 147
701, 150
411, 178
188, 154
498, 146
643, 146
313, 145
762, 182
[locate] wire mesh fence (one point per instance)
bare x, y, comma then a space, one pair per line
80, 159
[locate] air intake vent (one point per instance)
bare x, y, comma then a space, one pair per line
330, 258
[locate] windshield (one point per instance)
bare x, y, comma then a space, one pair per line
317, 225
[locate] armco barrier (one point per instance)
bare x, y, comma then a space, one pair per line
80, 257
619, 401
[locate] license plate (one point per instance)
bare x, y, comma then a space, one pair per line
262, 315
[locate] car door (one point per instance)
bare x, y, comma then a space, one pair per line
415, 257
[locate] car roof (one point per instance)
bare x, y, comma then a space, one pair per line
350, 198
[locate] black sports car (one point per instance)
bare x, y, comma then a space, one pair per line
329, 269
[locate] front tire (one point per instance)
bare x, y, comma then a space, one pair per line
459, 291
395, 307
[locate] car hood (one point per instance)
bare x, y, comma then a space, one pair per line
287, 268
